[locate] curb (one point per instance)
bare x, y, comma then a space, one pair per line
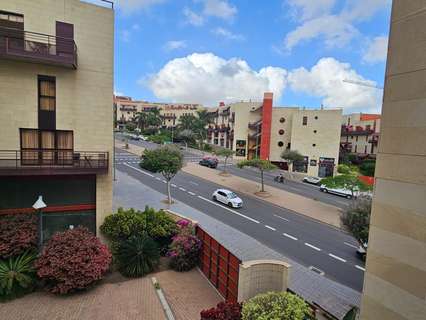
166, 307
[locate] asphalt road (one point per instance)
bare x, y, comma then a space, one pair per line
306, 190
308, 242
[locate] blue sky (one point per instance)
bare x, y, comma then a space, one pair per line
208, 51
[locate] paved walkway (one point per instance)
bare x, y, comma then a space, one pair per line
317, 210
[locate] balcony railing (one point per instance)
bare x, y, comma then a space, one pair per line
43, 161
37, 47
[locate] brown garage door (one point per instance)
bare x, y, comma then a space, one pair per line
219, 266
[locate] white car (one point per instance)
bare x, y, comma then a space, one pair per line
340, 192
227, 197
312, 180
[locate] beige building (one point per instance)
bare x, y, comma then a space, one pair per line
126, 110
360, 134
56, 84
256, 129
395, 278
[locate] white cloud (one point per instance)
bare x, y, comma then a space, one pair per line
325, 80
308, 9
193, 18
335, 31
317, 19
220, 9
128, 6
377, 50
174, 45
224, 33
125, 35
207, 78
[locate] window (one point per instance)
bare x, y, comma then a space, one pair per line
282, 120
281, 132
356, 147
280, 144
46, 93
356, 138
305, 121
316, 118
314, 145
315, 131
365, 149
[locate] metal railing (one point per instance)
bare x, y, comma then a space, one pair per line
52, 158
27, 45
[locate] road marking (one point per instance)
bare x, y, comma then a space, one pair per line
316, 270
289, 236
194, 183
163, 181
312, 246
226, 208
141, 171
173, 185
281, 218
182, 189
157, 178
359, 267
350, 245
191, 193
273, 229
336, 257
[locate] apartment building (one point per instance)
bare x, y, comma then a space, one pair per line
395, 277
56, 84
126, 110
257, 129
360, 134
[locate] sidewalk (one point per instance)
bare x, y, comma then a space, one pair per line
317, 210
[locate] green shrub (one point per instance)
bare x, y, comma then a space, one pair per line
275, 305
17, 275
367, 168
137, 256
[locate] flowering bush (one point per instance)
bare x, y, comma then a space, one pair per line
223, 311
185, 248
72, 260
18, 233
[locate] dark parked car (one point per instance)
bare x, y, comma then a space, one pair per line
209, 162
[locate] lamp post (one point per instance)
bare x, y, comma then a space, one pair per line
39, 205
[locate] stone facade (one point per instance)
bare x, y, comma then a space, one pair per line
395, 278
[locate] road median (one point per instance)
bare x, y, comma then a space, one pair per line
309, 207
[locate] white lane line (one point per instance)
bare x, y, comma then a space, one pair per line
359, 267
289, 236
194, 183
141, 171
191, 193
163, 181
233, 211
173, 185
270, 228
157, 178
336, 257
182, 189
312, 246
281, 218
350, 245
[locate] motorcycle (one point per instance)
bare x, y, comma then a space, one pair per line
279, 179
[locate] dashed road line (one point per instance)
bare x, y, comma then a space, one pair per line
289, 236
350, 245
191, 193
157, 178
312, 246
173, 185
226, 208
270, 228
182, 189
282, 218
141, 171
359, 267
336, 257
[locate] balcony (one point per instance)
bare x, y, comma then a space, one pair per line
52, 162
358, 131
36, 47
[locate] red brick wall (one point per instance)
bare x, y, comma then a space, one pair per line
265, 141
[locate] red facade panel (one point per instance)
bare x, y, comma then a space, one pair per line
265, 139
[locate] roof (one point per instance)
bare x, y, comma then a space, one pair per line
369, 116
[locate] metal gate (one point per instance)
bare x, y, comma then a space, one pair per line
219, 265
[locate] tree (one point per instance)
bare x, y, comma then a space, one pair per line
356, 217
348, 181
261, 165
187, 135
203, 119
291, 156
149, 119
368, 167
186, 121
167, 160
224, 152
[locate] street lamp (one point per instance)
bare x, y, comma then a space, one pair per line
39, 205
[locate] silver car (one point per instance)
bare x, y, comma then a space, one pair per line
227, 197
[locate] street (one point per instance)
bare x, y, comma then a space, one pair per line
313, 244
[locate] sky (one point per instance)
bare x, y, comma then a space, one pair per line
207, 51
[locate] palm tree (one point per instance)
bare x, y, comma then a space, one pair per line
187, 121
200, 125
